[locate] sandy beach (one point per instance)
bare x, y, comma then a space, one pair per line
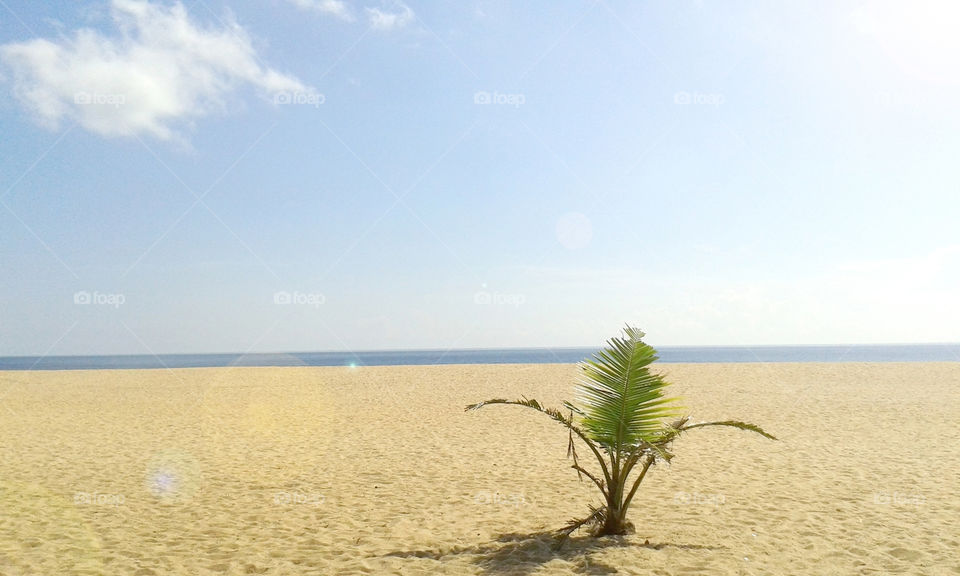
379, 470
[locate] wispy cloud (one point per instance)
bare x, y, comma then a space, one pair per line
390, 15
393, 16
159, 70
336, 8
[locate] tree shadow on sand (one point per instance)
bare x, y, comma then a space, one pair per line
521, 554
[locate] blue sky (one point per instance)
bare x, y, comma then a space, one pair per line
294, 175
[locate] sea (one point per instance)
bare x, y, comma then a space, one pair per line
670, 354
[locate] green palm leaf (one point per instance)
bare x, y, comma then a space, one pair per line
621, 403
733, 424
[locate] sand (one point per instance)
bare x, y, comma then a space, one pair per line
379, 471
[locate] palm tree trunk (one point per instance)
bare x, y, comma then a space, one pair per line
615, 523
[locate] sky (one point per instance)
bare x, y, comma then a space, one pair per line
307, 175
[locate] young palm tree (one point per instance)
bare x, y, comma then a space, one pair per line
620, 414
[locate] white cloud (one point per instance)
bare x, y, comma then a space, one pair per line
160, 70
394, 16
336, 8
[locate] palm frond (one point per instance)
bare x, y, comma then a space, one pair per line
733, 424
529, 403
596, 518
621, 402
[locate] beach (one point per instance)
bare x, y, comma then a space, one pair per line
378, 470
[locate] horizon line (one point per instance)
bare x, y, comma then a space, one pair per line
480, 349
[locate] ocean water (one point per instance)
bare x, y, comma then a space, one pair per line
692, 354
